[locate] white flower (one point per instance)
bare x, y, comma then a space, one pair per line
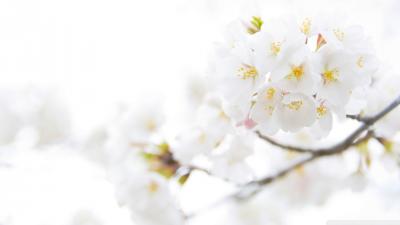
295, 112
352, 40
211, 125
213, 118
229, 161
264, 110
273, 43
295, 72
148, 197
343, 37
382, 94
323, 124
140, 124
192, 143
236, 32
237, 75
338, 77
275, 109
311, 25
357, 101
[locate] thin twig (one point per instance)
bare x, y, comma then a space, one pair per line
252, 188
192, 168
347, 142
311, 157
356, 117
338, 148
281, 145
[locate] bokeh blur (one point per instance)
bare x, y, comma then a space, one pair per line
67, 67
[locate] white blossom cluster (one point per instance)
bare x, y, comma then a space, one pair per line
284, 78
288, 75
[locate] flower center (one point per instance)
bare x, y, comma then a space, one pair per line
305, 27
360, 62
296, 73
295, 105
270, 93
275, 48
202, 138
270, 109
321, 110
223, 115
330, 75
247, 71
153, 187
339, 34
151, 125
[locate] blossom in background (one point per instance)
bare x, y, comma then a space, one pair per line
382, 93
285, 78
229, 161
139, 125
264, 111
36, 116
148, 197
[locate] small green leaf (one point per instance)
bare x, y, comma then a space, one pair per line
255, 25
257, 22
149, 156
166, 172
388, 145
363, 147
182, 179
163, 147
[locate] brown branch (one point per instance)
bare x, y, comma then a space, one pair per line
338, 148
192, 168
311, 157
367, 123
281, 145
356, 117
250, 189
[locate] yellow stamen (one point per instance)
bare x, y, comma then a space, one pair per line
297, 72
305, 27
330, 75
321, 110
275, 48
270, 109
223, 115
202, 138
360, 62
339, 34
295, 105
153, 187
270, 93
151, 125
247, 71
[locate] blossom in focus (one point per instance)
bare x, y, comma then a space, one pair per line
309, 69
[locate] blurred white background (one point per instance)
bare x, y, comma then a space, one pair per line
99, 54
